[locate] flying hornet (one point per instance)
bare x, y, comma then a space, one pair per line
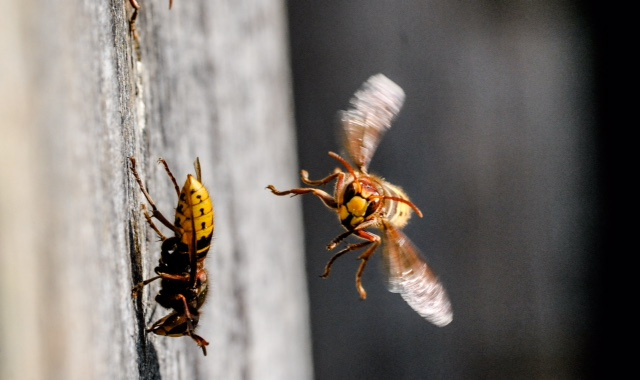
183, 277
364, 201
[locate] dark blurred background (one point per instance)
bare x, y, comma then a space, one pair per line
502, 144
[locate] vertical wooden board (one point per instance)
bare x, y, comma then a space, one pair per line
208, 79
18, 296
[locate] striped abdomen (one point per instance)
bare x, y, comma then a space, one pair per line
195, 214
397, 213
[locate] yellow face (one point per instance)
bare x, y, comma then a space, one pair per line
370, 197
360, 202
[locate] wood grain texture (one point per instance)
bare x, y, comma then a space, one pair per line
208, 79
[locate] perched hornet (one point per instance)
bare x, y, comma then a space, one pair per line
181, 267
363, 201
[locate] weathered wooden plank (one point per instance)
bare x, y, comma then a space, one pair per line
209, 79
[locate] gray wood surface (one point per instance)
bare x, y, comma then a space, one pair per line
77, 97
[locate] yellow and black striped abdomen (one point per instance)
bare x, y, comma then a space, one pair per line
195, 214
397, 213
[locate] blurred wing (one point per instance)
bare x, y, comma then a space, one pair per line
373, 107
410, 275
